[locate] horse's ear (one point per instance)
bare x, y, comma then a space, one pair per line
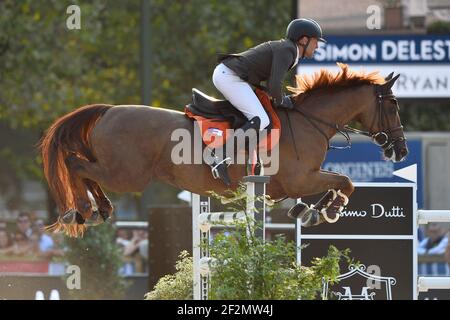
388, 84
389, 77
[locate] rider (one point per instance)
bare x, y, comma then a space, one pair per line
269, 61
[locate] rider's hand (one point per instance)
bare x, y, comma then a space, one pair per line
287, 103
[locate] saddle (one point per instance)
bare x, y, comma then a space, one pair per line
215, 116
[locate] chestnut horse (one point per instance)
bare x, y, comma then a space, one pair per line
123, 148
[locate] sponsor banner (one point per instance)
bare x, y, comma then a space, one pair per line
384, 49
423, 61
378, 226
380, 209
386, 272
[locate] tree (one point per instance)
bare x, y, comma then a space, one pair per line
48, 70
184, 50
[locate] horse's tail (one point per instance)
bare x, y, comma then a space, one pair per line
69, 135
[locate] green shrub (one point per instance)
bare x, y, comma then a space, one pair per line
252, 272
178, 286
246, 268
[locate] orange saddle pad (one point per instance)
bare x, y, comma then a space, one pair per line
214, 131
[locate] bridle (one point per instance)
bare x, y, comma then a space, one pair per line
384, 138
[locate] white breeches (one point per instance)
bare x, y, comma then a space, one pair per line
239, 93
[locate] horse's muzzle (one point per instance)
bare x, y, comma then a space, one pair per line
400, 151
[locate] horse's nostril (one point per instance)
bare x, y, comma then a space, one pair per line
403, 152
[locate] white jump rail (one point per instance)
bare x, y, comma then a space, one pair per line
427, 283
203, 220
426, 216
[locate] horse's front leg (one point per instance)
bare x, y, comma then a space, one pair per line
339, 189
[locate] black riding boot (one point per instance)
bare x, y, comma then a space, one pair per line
253, 167
219, 166
253, 123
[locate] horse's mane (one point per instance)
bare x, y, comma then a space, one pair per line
326, 79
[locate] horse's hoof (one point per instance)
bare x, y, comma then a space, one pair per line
104, 214
332, 217
326, 200
312, 218
332, 212
298, 211
72, 216
97, 217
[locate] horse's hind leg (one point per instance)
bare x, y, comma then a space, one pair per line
83, 205
104, 206
85, 169
90, 173
72, 222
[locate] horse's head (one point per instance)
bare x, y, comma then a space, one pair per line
383, 121
374, 106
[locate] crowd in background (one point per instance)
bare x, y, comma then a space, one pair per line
27, 239
434, 246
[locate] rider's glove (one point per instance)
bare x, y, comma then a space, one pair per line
286, 103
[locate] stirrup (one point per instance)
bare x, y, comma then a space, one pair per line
214, 171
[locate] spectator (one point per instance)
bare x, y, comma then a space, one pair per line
22, 245
3, 224
5, 242
143, 251
122, 238
143, 245
435, 243
134, 262
45, 242
24, 237
123, 241
133, 245
24, 224
436, 240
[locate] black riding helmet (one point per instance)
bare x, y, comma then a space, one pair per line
304, 27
